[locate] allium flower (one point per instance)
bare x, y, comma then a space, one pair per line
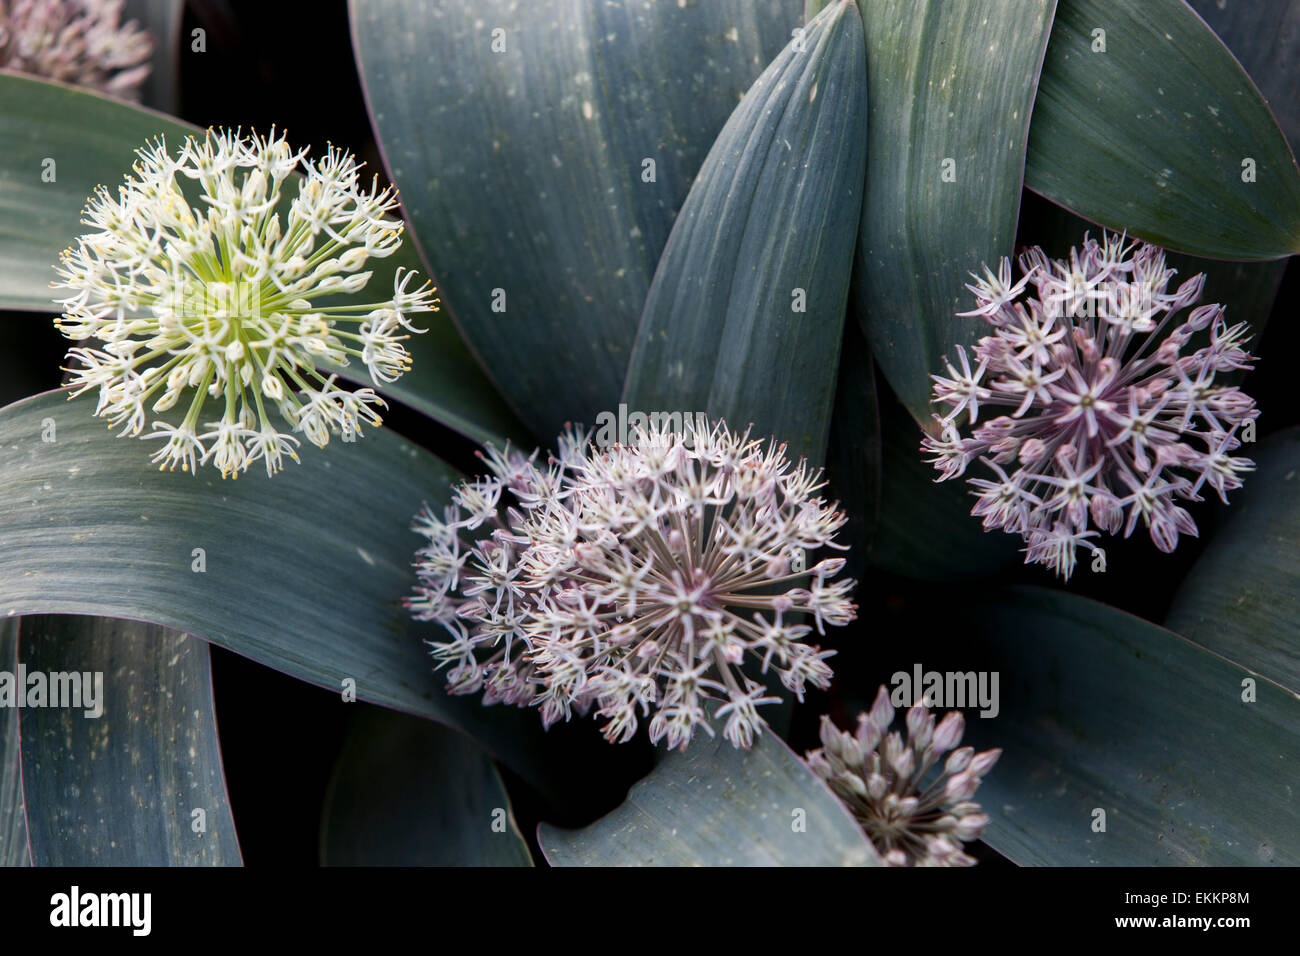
1088, 417
224, 300
882, 780
82, 42
635, 578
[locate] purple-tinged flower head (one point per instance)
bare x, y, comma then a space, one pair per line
912, 817
636, 578
81, 42
1088, 405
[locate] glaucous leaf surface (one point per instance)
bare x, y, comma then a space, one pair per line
950, 90
13, 819
714, 805
1242, 597
1145, 122
140, 784
410, 792
745, 316
1265, 39
543, 150
1100, 710
303, 572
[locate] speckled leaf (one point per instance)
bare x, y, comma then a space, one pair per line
950, 86
303, 572
543, 149
745, 316
1102, 710
1242, 597
714, 805
13, 820
140, 783
408, 792
1161, 133
1265, 39
91, 140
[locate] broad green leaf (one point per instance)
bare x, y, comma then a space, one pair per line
926, 530
1242, 597
543, 149
950, 86
303, 572
13, 818
745, 316
1103, 710
90, 140
1161, 133
407, 792
162, 18
135, 780
813, 7
1265, 39
60, 143
714, 805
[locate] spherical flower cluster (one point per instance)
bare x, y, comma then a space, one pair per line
82, 42
223, 300
634, 578
1100, 420
879, 776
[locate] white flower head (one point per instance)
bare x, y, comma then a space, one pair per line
657, 577
232, 304
81, 42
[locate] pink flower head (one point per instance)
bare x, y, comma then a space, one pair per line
1087, 403
636, 578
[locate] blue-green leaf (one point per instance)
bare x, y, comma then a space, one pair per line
714, 805
543, 149
1192, 758
13, 817
1265, 39
1242, 597
304, 572
407, 792
950, 86
1144, 122
745, 316
127, 772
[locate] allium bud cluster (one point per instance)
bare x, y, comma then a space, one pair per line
881, 777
